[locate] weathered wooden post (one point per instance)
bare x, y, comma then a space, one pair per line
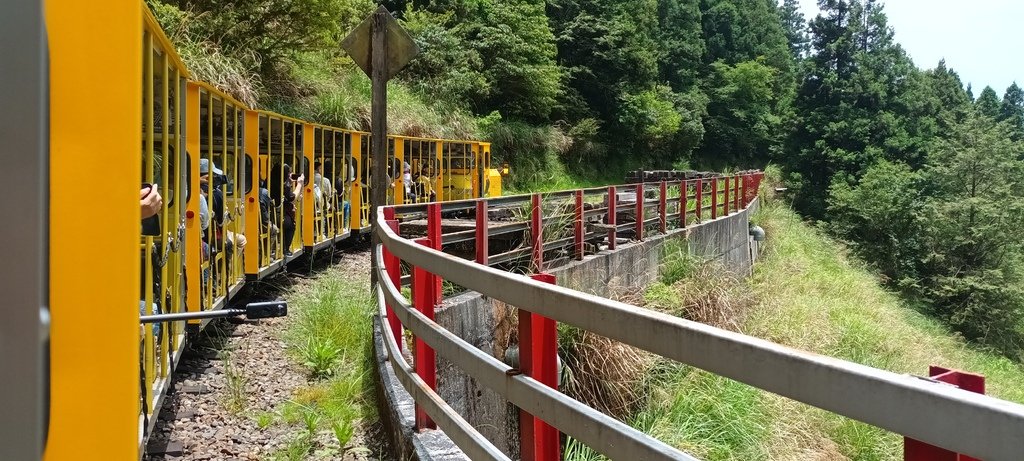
381, 48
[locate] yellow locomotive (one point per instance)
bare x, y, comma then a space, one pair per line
244, 192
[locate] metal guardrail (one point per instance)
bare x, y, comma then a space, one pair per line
931, 412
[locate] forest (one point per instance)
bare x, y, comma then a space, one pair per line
920, 177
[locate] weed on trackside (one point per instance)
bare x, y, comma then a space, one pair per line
330, 337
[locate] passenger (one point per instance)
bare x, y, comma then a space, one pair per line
267, 225
150, 205
150, 201
407, 180
292, 192
426, 187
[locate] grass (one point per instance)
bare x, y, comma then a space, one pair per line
330, 336
236, 381
807, 293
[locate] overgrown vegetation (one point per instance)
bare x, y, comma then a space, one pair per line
807, 293
330, 336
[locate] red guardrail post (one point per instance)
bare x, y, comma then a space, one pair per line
663, 207
434, 236
683, 193
725, 197
640, 211
393, 265
424, 359
482, 223
699, 198
538, 359
714, 198
537, 232
914, 450
737, 194
612, 198
578, 230
746, 198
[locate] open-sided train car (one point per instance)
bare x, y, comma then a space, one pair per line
224, 172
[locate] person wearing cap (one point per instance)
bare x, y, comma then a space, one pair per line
216, 192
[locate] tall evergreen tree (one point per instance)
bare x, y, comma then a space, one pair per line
988, 103
1012, 110
795, 26
853, 102
975, 173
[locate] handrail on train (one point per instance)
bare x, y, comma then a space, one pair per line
931, 412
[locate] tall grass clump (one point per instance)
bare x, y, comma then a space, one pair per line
235, 73
333, 324
330, 334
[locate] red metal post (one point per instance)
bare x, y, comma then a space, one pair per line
394, 268
683, 193
725, 197
714, 198
640, 211
746, 199
538, 359
537, 232
736, 193
699, 198
424, 359
578, 225
612, 198
663, 207
434, 236
914, 450
482, 229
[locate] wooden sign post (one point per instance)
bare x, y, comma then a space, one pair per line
381, 48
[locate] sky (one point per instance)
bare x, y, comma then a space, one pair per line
982, 40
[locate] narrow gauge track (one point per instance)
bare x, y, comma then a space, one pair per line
235, 368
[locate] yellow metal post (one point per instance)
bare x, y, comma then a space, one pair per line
308, 214
356, 212
400, 166
252, 199
439, 171
94, 134
193, 229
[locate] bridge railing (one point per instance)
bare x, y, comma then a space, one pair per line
915, 407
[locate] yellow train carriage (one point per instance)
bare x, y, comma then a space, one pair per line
219, 179
165, 171
277, 144
215, 162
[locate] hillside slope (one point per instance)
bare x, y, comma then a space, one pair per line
807, 293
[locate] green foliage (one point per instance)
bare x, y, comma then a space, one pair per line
743, 122
1012, 110
708, 416
233, 71
320, 356
881, 218
273, 30
520, 50
651, 114
973, 272
988, 103
446, 69
853, 103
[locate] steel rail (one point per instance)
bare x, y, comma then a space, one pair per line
597, 430
968, 423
